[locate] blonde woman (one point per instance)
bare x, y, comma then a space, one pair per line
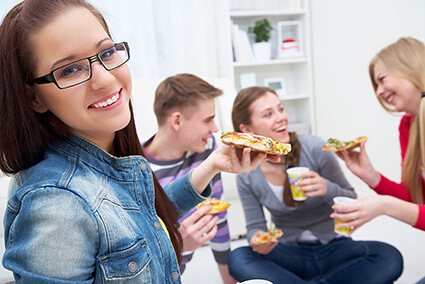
397, 73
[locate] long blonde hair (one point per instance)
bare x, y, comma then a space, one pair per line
406, 59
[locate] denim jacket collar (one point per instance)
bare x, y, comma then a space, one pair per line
95, 157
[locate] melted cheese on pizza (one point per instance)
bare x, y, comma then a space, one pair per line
257, 142
270, 236
217, 205
337, 145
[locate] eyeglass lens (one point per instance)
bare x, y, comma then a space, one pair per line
80, 71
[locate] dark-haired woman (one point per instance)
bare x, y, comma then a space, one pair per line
309, 251
84, 206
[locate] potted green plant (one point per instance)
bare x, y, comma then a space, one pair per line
262, 48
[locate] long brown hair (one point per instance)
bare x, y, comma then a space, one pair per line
25, 134
405, 58
241, 114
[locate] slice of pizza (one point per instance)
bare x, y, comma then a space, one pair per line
336, 145
256, 142
270, 236
217, 205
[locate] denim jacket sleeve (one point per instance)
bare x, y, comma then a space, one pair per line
40, 224
183, 194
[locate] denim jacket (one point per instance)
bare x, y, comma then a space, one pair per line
84, 216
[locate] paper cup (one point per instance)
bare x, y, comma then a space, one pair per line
294, 176
342, 200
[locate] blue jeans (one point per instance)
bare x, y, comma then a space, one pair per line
343, 260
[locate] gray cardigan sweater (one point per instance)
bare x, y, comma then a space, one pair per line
313, 215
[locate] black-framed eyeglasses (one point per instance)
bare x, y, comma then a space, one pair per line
80, 71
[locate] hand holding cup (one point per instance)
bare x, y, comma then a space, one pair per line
341, 201
305, 183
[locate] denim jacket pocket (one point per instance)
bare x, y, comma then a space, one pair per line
127, 263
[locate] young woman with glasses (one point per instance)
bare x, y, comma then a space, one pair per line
84, 205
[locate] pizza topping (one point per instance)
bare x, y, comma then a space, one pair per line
333, 142
217, 205
256, 142
270, 236
336, 145
265, 238
276, 233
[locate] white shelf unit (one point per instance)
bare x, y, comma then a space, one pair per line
296, 71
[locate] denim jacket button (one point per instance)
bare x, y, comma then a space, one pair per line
143, 166
157, 225
175, 276
132, 266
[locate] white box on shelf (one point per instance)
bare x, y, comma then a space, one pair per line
278, 84
289, 39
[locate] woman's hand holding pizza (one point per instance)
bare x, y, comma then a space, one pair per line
358, 162
229, 158
226, 158
313, 184
261, 248
250, 150
233, 160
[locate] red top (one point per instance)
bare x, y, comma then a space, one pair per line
388, 187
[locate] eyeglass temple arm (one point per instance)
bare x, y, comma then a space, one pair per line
45, 79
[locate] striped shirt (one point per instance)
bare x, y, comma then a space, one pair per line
167, 171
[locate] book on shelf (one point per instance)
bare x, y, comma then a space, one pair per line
241, 45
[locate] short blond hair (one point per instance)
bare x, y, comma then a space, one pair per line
181, 91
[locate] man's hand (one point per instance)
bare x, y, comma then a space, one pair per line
198, 228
